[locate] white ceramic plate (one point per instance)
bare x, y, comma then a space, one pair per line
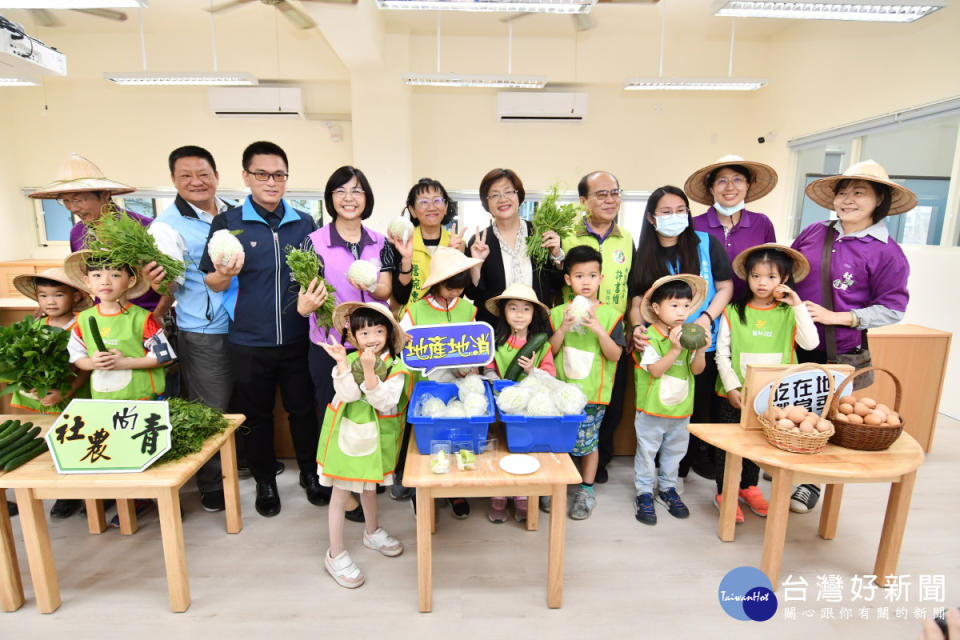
519, 464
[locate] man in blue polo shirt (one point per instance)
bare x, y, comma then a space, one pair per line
267, 336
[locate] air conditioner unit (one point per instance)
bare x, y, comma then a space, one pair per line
21, 55
529, 105
256, 102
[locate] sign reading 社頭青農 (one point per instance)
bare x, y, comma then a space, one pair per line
109, 436
439, 346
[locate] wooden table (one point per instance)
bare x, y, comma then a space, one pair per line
38, 479
834, 466
556, 472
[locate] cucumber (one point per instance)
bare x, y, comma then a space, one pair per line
7, 428
25, 458
19, 442
528, 350
3, 427
13, 435
33, 445
95, 334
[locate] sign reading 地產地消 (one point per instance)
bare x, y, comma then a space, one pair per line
109, 436
444, 346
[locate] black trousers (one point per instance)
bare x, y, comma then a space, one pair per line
611, 418
257, 371
724, 412
703, 391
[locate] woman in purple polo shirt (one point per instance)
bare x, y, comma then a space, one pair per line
726, 186
867, 269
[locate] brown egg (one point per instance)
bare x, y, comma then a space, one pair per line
870, 402
893, 414
893, 420
854, 419
884, 408
806, 427
878, 412
823, 426
797, 414
846, 408
811, 419
783, 423
850, 400
861, 409
872, 419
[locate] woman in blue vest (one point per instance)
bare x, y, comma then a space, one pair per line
669, 244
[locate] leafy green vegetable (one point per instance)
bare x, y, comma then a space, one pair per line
550, 216
34, 356
191, 423
118, 239
305, 266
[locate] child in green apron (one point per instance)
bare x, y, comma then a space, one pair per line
664, 383
360, 439
761, 328
520, 317
586, 350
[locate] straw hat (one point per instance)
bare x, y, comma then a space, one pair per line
801, 267
447, 262
901, 199
79, 174
76, 268
698, 284
341, 318
27, 285
516, 291
764, 179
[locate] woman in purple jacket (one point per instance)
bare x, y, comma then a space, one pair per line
867, 270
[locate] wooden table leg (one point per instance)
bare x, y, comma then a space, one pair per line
432, 508
231, 488
96, 516
36, 540
727, 524
776, 525
533, 512
11, 587
424, 543
174, 556
558, 524
127, 513
894, 524
830, 511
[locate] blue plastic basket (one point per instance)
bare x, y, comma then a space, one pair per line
469, 429
526, 434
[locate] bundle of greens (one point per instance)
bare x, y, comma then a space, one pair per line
550, 216
34, 355
117, 239
191, 423
305, 266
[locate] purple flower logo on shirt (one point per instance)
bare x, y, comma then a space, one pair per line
618, 257
843, 283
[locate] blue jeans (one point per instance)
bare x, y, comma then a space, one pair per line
669, 437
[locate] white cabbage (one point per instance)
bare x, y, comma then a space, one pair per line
579, 308
401, 227
471, 384
475, 404
570, 400
223, 245
541, 404
455, 409
364, 273
430, 406
513, 399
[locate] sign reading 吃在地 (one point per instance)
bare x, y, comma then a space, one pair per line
805, 388
109, 436
439, 346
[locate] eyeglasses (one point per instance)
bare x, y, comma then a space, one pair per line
603, 194
722, 182
72, 202
263, 176
356, 192
506, 195
667, 212
423, 203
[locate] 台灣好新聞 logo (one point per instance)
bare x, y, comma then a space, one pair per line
745, 593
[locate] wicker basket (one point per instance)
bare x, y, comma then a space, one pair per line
792, 441
865, 437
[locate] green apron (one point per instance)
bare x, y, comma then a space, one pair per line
670, 395
423, 312
617, 254
420, 265
581, 359
505, 354
123, 331
766, 338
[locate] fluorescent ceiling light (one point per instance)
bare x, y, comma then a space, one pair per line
473, 80
18, 82
73, 4
210, 79
504, 6
861, 10
694, 84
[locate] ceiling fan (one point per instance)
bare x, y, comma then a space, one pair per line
582, 21
295, 15
45, 17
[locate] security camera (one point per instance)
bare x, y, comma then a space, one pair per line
761, 140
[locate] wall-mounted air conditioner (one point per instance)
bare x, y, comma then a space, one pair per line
539, 105
256, 102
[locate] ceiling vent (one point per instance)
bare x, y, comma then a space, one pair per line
256, 102
540, 106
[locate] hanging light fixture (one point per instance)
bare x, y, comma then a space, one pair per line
859, 10
508, 81
18, 82
213, 78
693, 84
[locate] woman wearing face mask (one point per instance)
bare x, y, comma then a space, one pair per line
726, 186
669, 244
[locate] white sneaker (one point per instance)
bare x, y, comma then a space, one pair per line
383, 542
343, 570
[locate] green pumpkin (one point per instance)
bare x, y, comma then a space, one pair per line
379, 369
692, 336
